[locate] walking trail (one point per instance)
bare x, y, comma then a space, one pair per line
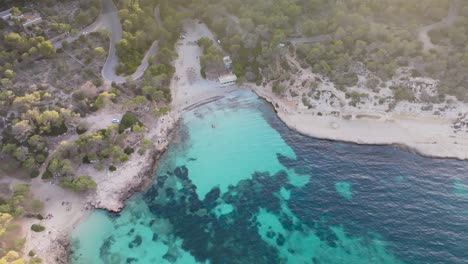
447, 21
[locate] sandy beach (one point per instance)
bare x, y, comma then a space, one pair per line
425, 135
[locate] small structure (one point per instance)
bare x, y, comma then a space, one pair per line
227, 62
228, 79
31, 19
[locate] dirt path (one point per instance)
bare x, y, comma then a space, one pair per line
447, 21
319, 38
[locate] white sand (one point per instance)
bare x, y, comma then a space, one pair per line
428, 136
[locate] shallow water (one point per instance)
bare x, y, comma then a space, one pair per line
252, 191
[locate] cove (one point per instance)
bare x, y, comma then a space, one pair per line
237, 186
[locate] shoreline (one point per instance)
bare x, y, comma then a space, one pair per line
58, 248
115, 188
360, 131
68, 209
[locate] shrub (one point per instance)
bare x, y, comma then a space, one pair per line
163, 110
278, 89
34, 174
112, 168
404, 94
128, 120
86, 160
372, 84
129, 150
31, 253
47, 175
81, 183
99, 167
37, 228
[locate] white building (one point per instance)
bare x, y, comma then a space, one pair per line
228, 79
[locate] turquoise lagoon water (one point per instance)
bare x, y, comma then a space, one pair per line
250, 190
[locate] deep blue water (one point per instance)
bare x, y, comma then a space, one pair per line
253, 191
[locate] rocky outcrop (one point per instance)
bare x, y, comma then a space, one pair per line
113, 197
59, 248
134, 175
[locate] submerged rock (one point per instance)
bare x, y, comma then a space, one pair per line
280, 240
136, 242
181, 172
131, 260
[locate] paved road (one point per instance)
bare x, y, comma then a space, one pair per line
111, 22
102, 21
109, 19
150, 53
447, 21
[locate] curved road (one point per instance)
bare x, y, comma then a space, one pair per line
447, 21
109, 19
113, 24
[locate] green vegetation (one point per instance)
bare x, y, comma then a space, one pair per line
90, 10
156, 81
81, 183
278, 89
34, 114
145, 145
212, 58
403, 93
355, 97
20, 203
359, 31
163, 110
141, 29
45, 93
37, 228
129, 119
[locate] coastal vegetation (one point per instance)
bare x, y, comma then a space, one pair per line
212, 59
142, 26
261, 35
50, 84
18, 204
81, 183
40, 103
56, 17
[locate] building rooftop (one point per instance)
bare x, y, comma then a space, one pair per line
228, 78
